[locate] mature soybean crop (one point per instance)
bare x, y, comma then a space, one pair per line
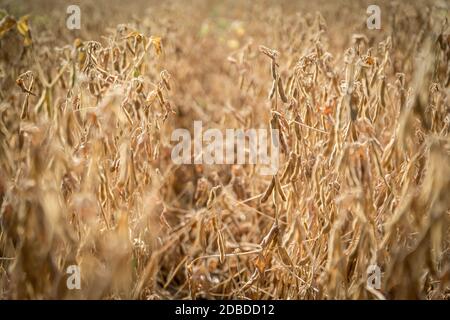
87, 178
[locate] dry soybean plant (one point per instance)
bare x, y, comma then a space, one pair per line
86, 175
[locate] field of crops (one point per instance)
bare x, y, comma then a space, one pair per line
360, 205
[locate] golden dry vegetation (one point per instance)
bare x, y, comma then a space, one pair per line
86, 176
